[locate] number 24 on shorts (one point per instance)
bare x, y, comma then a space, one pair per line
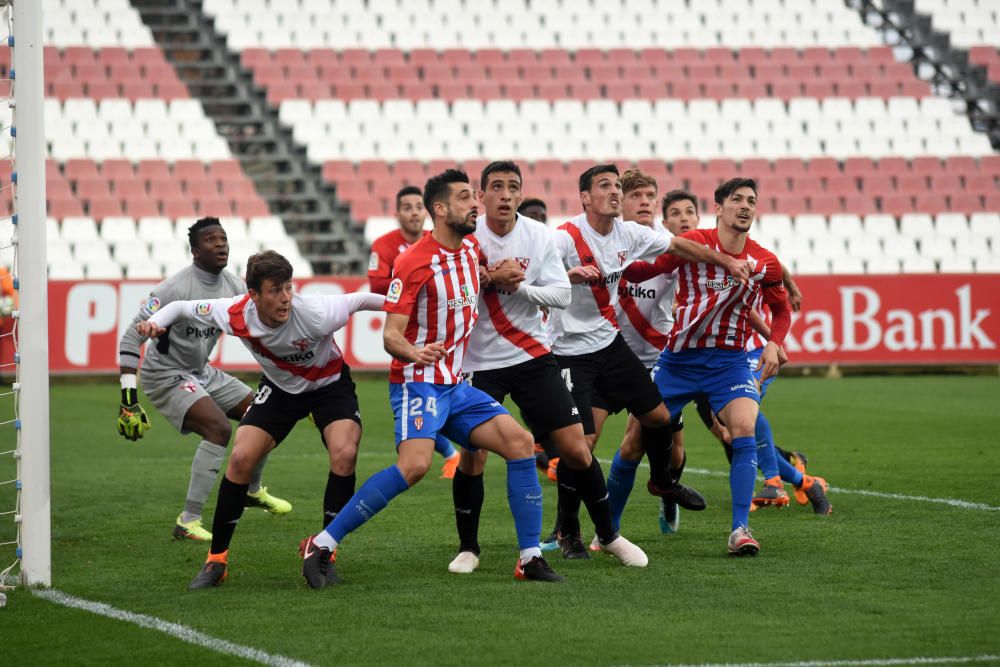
417, 404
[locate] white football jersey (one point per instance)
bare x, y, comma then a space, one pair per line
509, 329
590, 322
297, 356
645, 312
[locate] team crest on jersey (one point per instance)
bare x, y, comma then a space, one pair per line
203, 308
152, 305
621, 257
301, 344
523, 262
418, 423
395, 291
189, 387
373, 262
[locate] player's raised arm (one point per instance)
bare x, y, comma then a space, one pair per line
696, 252
210, 311
395, 343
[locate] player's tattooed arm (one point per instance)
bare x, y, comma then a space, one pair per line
395, 343
696, 252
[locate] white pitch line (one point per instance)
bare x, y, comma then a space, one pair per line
951, 502
874, 662
175, 630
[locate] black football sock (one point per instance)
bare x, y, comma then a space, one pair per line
569, 499
594, 493
675, 473
467, 493
339, 489
228, 510
658, 443
784, 453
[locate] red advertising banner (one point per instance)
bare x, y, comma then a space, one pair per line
849, 320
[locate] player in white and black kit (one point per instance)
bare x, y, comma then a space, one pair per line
292, 338
596, 248
193, 396
645, 315
509, 354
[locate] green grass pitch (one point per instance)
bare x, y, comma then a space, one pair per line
883, 577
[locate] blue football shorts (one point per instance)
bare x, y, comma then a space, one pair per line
719, 375
422, 410
753, 358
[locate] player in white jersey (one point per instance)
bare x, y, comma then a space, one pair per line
509, 354
596, 248
645, 315
177, 379
292, 338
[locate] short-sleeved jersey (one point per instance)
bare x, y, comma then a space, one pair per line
510, 330
645, 312
438, 289
186, 346
590, 323
713, 306
299, 355
385, 250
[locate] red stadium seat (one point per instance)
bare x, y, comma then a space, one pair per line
389, 57
841, 185
373, 170
789, 167
946, 184
409, 172
893, 165
658, 170
518, 92
554, 57
860, 204
785, 55
790, 204
786, 90
817, 55
851, 89
926, 165
913, 184
145, 207
79, 55
655, 57
883, 89
991, 203
718, 90
751, 89
848, 55
932, 203
757, 168
129, 188
383, 91
552, 91
225, 170
589, 90
963, 165
825, 204
490, 57
990, 164
255, 57
355, 91
321, 57
65, 90
686, 168
685, 90
113, 55
172, 91
104, 208
337, 170
189, 170
202, 189
878, 185
622, 57
823, 166
456, 57
215, 207
522, 58
859, 166
753, 56
367, 208
801, 71
881, 54
897, 204
287, 57
169, 189
54, 189
452, 91
620, 91
77, 169
64, 207
92, 188
355, 57
980, 184
248, 208
819, 88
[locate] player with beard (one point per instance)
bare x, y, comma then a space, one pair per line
432, 305
192, 395
509, 354
596, 248
410, 214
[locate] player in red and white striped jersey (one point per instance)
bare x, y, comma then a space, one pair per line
596, 248
411, 215
509, 355
292, 338
705, 349
432, 306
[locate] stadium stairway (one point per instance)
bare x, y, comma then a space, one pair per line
947, 66
293, 188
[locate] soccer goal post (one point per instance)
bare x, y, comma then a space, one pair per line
30, 272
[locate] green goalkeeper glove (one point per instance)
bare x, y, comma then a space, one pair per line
132, 419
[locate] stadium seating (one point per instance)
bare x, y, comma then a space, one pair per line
861, 167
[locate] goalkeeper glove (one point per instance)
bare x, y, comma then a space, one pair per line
132, 419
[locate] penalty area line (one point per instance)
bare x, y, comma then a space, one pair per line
176, 630
873, 662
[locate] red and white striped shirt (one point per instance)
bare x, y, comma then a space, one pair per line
713, 306
438, 288
299, 355
510, 329
589, 324
385, 250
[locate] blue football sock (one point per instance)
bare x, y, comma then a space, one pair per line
766, 455
370, 499
621, 479
524, 495
443, 446
742, 474
789, 473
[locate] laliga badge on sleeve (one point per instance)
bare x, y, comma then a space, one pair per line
395, 291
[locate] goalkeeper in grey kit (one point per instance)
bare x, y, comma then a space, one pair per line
190, 394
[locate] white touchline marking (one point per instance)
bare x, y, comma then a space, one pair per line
952, 502
176, 630
874, 662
